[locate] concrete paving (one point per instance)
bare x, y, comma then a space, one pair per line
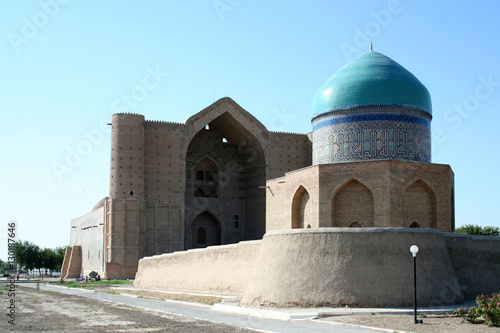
261, 320
206, 312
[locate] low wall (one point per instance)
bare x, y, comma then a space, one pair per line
351, 266
117, 271
476, 260
220, 269
359, 267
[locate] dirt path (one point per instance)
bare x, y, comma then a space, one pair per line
47, 311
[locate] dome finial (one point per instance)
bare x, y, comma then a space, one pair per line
371, 47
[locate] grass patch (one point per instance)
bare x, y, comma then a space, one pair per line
88, 308
125, 306
92, 284
154, 298
209, 300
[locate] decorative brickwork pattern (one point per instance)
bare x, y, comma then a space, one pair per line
372, 133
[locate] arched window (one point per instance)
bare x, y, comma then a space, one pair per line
414, 225
201, 236
205, 181
355, 225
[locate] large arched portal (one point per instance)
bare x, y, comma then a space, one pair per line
205, 231
225, 173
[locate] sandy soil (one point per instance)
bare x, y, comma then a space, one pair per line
405, 323
47, 311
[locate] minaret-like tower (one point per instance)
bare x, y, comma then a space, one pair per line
127, 198
127, 157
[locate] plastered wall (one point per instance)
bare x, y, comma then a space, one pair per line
358, 267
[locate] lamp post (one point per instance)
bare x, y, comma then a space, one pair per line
414, 250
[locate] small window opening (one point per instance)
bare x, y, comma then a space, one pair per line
202, 236
205, 183
207, 127
236, 224
224, 140
209, 176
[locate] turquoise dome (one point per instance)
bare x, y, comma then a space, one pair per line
371, 79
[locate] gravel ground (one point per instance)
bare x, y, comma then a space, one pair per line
404, 323
47, 311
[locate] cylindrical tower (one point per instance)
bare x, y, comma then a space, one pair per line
372, 109
127, 157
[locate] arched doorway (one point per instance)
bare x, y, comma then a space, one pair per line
301, 208
205, 231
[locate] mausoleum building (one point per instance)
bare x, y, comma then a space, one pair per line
361, 184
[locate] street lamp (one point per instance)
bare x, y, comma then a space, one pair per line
414, 250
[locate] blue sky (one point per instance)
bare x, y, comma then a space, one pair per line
67, 65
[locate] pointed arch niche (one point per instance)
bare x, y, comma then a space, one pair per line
301, 209
205, 231
419, 205
352, 205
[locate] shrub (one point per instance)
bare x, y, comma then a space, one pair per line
460, 312
487, 310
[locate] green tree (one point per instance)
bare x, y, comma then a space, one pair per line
48, 257
474, 229
491, 231
59, 256
27, 254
